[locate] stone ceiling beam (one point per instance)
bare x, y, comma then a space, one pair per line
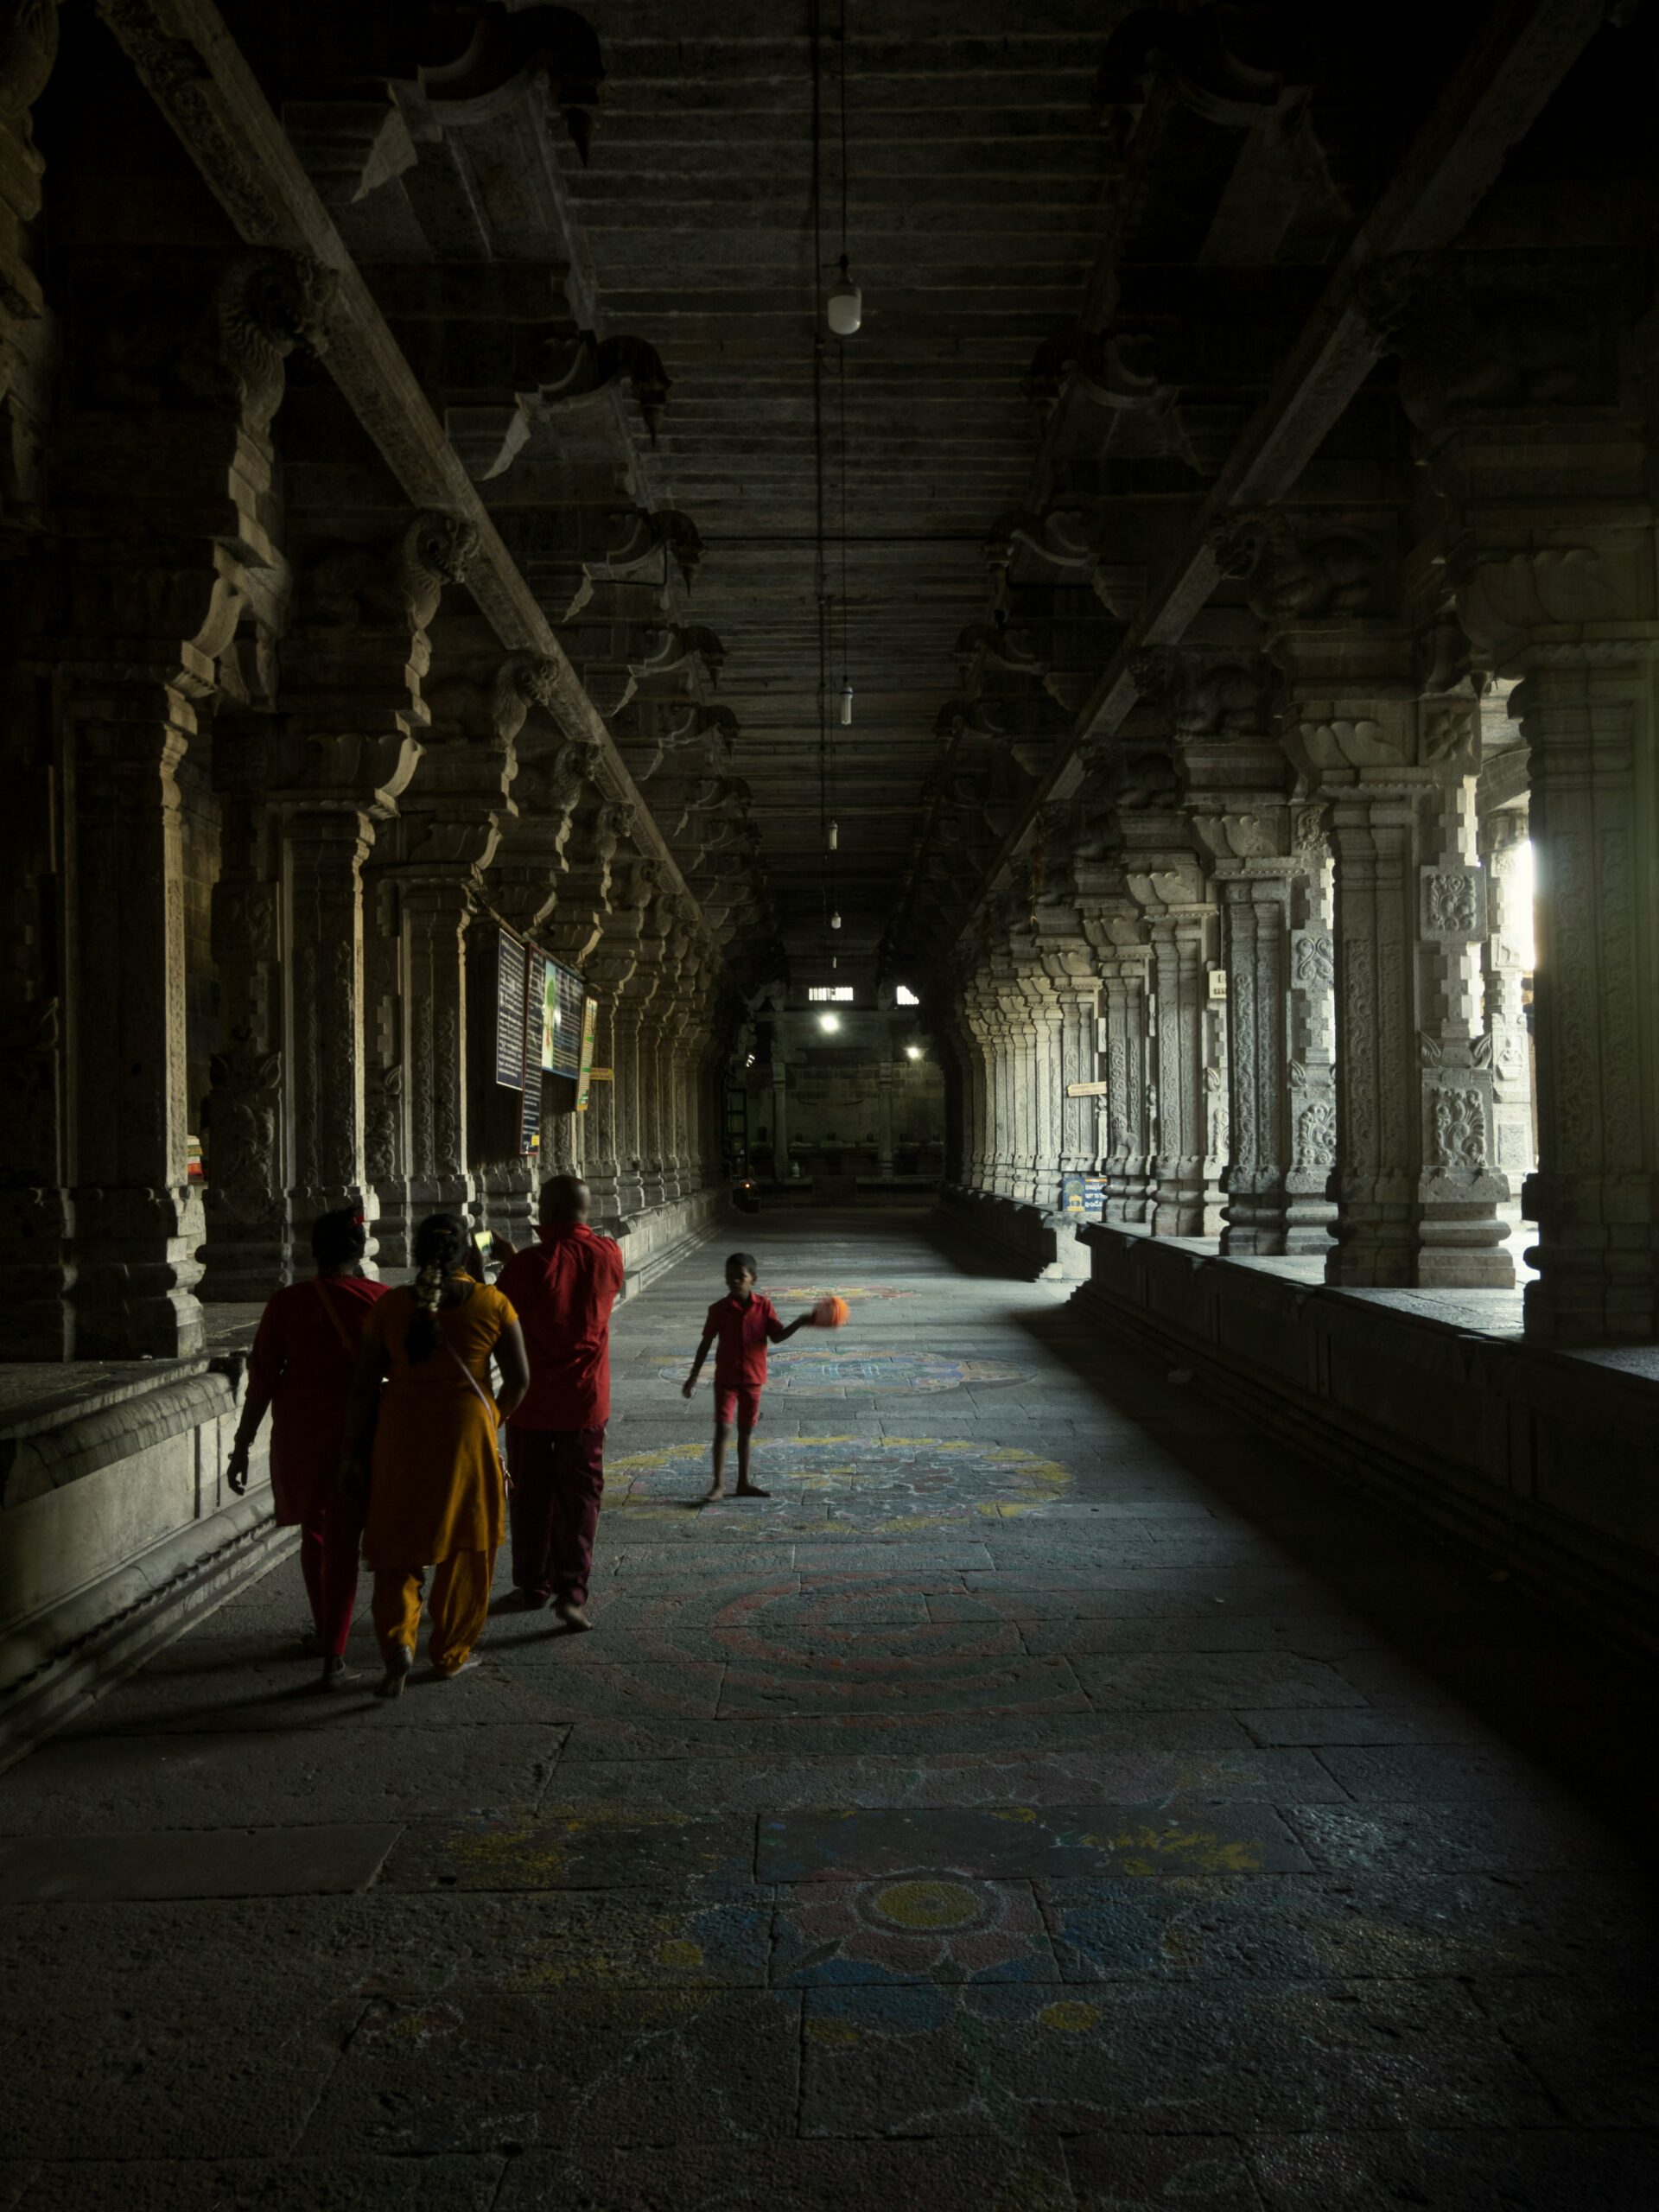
1521, 54
192, 66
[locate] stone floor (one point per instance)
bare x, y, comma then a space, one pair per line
1053, 1797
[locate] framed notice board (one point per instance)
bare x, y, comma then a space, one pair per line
562, 998
511, 974
585, 1070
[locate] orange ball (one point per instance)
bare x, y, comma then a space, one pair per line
830, 1313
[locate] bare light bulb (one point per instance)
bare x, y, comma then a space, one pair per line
912, 1051
835, 920
844, 306
835, 835
847, 703
829, 1022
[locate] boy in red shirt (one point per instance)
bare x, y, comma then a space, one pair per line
742, 1324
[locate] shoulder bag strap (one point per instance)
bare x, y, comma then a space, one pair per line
482, 1396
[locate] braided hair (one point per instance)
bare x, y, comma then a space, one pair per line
439, 1243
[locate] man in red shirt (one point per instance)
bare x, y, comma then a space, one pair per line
741, 1324
563, 1289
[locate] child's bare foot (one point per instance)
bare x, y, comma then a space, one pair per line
750, 1490
715, 1489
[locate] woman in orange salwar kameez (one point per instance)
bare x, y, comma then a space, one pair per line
436, 1485
303, 1361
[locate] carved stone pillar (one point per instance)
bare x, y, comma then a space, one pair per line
628, 1019
1255, 951
1261, 849
1311, 1028
1114, 931
138, 1222
600, 1164
1126, 1128
1529, 387
437, 912
1043, 1089
1188, 1035
780, 1105
1508, 929
163, 431
884, 1101
1278, 1013
245, 1197
1008, 1031
1589, 722
1416, 1198
649, 1048
979, 1057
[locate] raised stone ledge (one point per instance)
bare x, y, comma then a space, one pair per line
1043, 1246
116, 1529
652, 1241
1539, 1459
44, 1447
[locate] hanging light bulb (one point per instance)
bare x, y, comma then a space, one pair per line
835, 836
835, 920
847, 701
845, 308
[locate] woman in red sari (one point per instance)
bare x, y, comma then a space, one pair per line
304, 1357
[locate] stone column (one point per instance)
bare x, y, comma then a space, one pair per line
1311, 1211
979, 1056
1261, 849
1185, 1200
601, 1143
1255, 951
1126, 1127
1541, 533
884, 1100
249, 1236
779, 1103
323, 852
1589, 722
1044, 1089
1115, 934
138, 1222
626, 1019
1416, 1198
1183, 931
436, 915
1509, 927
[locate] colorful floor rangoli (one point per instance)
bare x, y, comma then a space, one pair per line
815, 1368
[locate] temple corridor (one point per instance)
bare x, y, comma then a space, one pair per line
1054, 1795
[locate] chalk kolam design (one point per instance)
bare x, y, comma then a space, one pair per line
815, 1367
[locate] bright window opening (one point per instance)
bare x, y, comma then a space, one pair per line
829, 993
905, 996
1526, 951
